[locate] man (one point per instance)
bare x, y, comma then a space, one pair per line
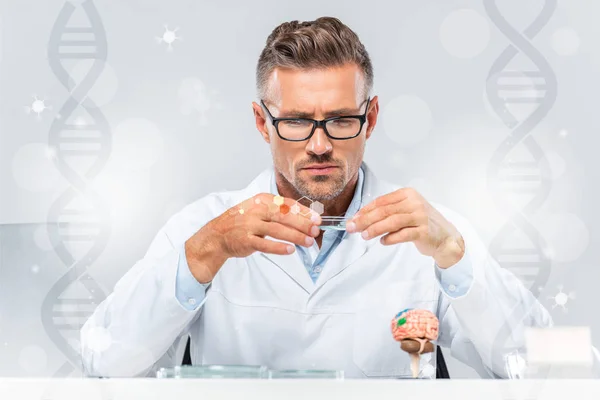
252, 280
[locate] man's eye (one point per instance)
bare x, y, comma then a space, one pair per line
295, 123
342, 123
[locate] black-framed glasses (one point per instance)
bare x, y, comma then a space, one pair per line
300, 129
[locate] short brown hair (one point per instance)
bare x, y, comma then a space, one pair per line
323, 43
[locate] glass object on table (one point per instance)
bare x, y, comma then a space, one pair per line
427, 364
165, 373
306, 374
214, 372
559, 352
515, 364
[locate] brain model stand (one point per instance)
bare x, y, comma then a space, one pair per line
415, 329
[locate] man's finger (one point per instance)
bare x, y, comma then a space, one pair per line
365, 219
392, 223
285, 233
288, 212
408, 234
270, 246
300, 223
381, 201
279, 205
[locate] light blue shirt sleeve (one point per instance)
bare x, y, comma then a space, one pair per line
189, 292
456, 280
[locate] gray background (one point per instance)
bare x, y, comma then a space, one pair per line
182, 127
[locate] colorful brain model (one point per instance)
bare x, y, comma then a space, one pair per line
415, 324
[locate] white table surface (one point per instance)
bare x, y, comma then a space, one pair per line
179, 389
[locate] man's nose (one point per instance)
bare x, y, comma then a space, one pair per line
319, 143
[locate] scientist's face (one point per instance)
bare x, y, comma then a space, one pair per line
316, 94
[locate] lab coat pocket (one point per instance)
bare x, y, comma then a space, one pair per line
375, 352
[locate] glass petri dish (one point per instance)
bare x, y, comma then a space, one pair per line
214, 372
306, 374
333, 223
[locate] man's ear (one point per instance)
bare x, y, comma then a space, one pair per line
261, 121
372, 115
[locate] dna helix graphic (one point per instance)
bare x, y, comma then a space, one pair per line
519, 173
519, 164
80, 140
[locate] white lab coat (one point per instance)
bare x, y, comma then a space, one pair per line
265, 309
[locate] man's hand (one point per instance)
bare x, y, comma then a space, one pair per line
405, 216
241, 230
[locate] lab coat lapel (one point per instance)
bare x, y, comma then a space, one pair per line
292, 265
350, 249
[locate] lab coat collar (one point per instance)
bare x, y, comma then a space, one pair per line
350, 249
